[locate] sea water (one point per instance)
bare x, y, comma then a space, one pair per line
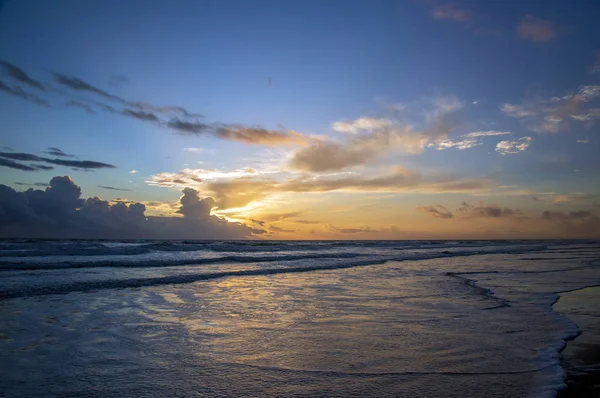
310, 318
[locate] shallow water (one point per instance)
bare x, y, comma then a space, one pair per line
581, 357
287, 318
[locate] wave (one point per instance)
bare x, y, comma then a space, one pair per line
142, 263
84, 286
96, 247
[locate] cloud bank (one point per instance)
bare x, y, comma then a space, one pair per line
60, 212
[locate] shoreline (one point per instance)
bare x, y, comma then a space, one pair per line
580, 358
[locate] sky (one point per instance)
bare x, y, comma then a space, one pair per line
300, 119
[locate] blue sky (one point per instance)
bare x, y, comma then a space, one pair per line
409, 80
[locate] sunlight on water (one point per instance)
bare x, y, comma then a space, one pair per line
403, 328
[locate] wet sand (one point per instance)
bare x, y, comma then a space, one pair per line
581, 356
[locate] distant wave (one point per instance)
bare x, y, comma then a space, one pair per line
84, 286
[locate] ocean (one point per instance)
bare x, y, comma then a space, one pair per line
288, 318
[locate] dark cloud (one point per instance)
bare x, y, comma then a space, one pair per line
576, 224
487, 211
438, 211
79, 164
43, 167
19, 92
112, 188
79, 85
189, 128
246, 135
307, 222
35, 184
17, 166
145, 109
21, 156
19, 75
567, 216
60, 212
360, 230
194, 207
58, 152
141, 115
147, 112
81, 105
277, 229
259, 222
165, 109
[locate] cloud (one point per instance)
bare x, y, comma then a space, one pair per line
240, 192
576, 224
560, 199
437, 211
188, 128
194, 150
517, 111
260, 136
141, 115
321, 156
60, 212
19, 92
80, 105
361, 125
370, 139
515, 146
277, 229
79, 85
112, 188
42, 167
536, 29
146, 112
327, 156
554, 114
81, 164
192, 177
365, 229
165, 109
20, 76
35, 184
585, 141
17, 166
362, 229
452, 12
487, 211
57, 152
281, 216
477, 134
466, 141
246, 135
